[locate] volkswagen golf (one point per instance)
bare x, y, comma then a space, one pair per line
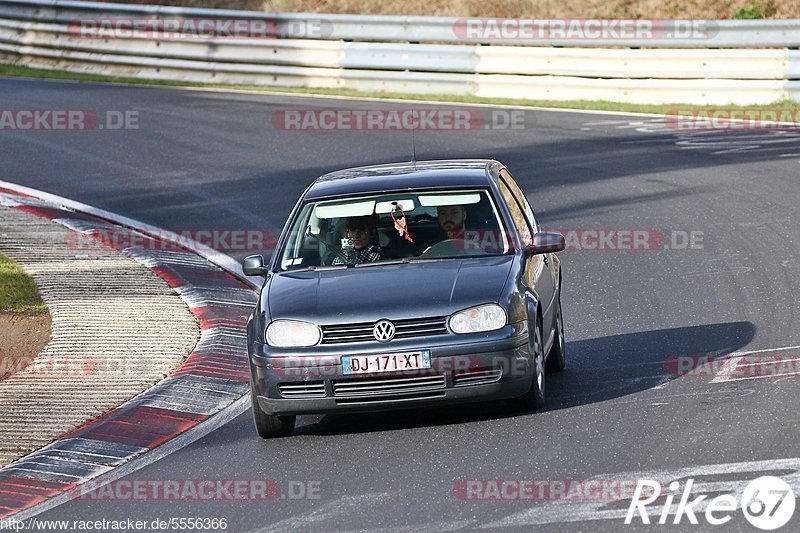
405, 285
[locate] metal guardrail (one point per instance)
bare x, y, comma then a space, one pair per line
586, 62
374, 28
382, 54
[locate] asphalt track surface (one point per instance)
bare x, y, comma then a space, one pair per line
213, 160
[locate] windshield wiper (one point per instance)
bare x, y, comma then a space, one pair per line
384, 262
420, 259
313, 268
328, 267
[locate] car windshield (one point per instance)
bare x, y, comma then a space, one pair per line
394, 227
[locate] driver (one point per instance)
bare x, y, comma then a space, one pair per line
451, 220
360, 242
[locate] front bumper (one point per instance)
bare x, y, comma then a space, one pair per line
313, 383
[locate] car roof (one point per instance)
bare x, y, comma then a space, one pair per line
446, 173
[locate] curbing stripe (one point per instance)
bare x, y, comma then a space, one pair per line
20, 492
15, 193
214, 377
87, 450
213, 256
53, 465
34, 473
38, 211
193, 394
144, 427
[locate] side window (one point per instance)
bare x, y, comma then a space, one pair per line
520, 223
298, 250
521, 198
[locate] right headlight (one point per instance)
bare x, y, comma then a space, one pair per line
292, 334
477, 319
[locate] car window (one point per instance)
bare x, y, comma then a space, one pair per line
520, 222
520, 196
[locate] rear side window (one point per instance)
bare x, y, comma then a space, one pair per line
520, 196
520, 222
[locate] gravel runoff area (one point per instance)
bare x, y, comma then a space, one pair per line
117, 329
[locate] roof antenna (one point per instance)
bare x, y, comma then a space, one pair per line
413, 140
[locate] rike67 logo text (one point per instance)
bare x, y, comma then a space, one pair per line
767, 503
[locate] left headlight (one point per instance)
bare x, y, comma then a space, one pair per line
482, 318
292, 334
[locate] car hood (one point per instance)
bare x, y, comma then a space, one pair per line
412, 290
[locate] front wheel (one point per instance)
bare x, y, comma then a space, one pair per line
534, 398
270, 426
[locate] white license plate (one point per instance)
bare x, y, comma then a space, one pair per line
391, 362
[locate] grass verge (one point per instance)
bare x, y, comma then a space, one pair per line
597, 105
18, 292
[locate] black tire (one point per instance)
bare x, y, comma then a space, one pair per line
270, 426
534, 398
557, 358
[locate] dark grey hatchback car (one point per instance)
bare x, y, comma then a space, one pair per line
405, 285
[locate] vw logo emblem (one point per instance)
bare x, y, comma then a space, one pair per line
383, 331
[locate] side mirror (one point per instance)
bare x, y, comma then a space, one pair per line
546, 242
253, 265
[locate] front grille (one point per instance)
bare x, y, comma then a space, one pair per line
477, 378
358, 388
309, 389
404, 329
367, 400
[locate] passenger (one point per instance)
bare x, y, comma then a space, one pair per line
360, 243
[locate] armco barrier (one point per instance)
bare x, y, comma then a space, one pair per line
739, 62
